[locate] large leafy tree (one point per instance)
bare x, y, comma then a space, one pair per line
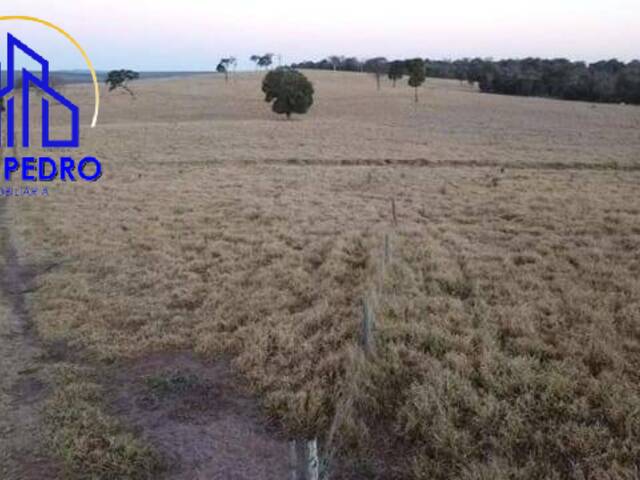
120, 79
417, 74
289, 90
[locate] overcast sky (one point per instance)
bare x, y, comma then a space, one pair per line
194, 34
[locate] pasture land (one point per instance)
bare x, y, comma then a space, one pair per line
507, 314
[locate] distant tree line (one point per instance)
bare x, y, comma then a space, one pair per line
345, 64
604, 81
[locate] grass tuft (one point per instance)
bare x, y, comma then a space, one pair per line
91, 443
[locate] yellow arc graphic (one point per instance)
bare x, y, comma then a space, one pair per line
96, 87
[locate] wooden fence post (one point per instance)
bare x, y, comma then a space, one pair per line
393, 211
313, 463
387, 249
293, 460
368, 320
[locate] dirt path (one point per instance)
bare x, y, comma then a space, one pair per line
22, 387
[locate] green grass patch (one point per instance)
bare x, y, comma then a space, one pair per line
91, 443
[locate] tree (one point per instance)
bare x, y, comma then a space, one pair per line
222, 68
378, 66
628, 83
265, 60
417, 74
396, 71
351, 64
255, 59
224, 65
291, 90
120, 79
460, 70
336, 62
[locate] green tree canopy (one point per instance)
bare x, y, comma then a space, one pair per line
290, 91
378, 66
224, 65
263, 61
605, 81
417, 74
266, 60
396, 71
120, 79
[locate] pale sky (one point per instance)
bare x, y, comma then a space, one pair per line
194, 34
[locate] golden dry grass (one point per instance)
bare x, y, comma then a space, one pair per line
508, 318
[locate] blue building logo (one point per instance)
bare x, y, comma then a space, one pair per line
38, 169
29, 82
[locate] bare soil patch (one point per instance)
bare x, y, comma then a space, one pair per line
199, 419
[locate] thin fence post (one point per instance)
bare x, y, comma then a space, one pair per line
393, 211
367, 327
293, 460
387, 249
313, 464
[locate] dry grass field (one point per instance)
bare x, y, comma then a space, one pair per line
507, 314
